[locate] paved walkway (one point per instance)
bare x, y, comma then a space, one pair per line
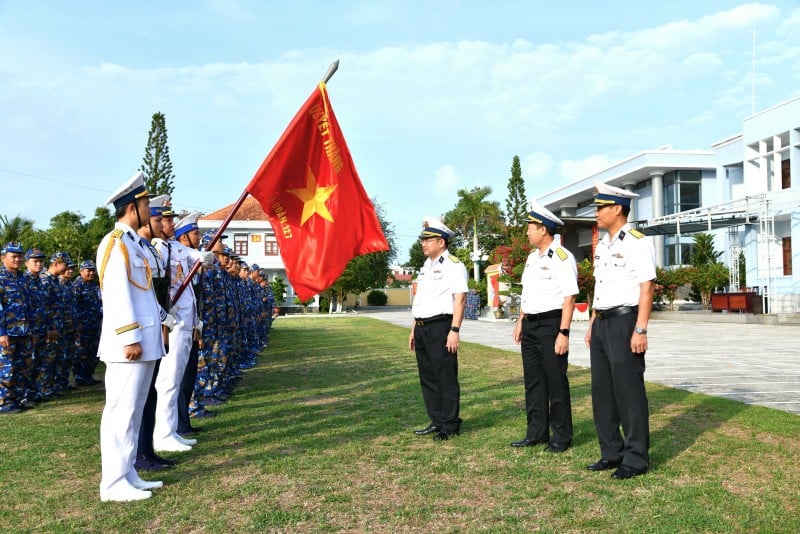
751, 363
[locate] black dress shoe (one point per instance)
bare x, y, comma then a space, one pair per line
430, 429
145, 464
444, 435
161, 460
528, 442
625, 471
602, 465
554, 446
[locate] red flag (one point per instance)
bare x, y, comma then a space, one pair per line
309, 188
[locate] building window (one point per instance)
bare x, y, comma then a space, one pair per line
681, 191
677, 254
270, 246
787, 256
786, 178
240, 244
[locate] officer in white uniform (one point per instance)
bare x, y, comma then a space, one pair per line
170, 374
624, 273
549, 287
130, 342
146, 457
438, 310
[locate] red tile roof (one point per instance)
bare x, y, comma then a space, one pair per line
250, 210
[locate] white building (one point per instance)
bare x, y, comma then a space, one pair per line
251, 237
745, 190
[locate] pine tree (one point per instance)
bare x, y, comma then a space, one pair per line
157, 167
516, 201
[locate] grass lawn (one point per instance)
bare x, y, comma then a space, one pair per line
318, 438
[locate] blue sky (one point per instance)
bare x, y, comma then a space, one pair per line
432, 97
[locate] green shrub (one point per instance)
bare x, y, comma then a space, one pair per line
377, 298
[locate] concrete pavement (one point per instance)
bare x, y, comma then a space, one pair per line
751, 363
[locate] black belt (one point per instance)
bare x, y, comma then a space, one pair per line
552, 314
434, 319
614, 312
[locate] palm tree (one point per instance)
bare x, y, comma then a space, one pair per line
471, 210
16, 229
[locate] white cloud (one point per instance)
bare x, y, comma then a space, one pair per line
790, 26
576, 169
473, 99
537, 166
445, 181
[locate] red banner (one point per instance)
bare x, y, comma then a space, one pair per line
309, 188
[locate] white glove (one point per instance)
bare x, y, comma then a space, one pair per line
168, 321
199, 327
207, 258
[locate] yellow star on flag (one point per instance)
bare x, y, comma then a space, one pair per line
313, 198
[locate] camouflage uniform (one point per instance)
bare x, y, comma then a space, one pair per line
69, 333
39, 325
15, 323
46, 361
213, 301
89, 317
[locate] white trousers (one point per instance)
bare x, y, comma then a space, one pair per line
168, 382
126, 392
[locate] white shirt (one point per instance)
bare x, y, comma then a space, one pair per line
437, 282
621, 263
550, 275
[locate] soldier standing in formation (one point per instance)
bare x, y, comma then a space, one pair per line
549, 286
130, 342
16, 345
89, 316
624, 272
438, 310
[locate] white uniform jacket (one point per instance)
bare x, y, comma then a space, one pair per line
437, 282
550, 275
130, 309
181, 259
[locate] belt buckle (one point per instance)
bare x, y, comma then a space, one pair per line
419, 322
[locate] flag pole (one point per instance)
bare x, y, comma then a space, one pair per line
218, 234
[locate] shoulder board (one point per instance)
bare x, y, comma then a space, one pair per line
117, 233
454, 259
561, 253
636, 233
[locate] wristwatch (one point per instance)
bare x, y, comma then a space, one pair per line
564, 331
454, 329
640, 330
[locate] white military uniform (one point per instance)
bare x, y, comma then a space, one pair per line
170, 374
619, 398
437, 281
130, 315
621, 263
549, 276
